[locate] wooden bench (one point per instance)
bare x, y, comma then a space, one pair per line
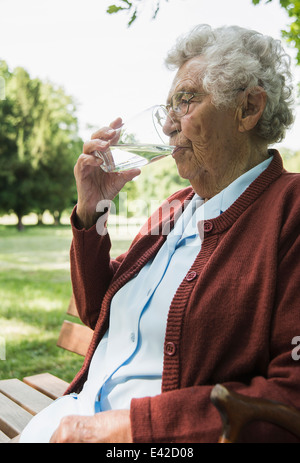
20, 400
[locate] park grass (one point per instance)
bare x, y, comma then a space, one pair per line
35, 290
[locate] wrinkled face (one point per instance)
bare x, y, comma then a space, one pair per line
207, 139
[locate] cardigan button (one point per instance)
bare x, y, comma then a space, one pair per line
170, 348
191, 276
208, 226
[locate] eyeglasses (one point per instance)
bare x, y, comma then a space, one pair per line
180, 102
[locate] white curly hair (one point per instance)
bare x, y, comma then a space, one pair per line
238, 58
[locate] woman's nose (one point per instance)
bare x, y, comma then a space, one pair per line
170, 125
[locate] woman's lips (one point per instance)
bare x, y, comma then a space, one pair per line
179, 148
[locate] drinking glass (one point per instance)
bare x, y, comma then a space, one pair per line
141, 141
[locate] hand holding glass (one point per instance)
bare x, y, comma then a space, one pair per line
141, 141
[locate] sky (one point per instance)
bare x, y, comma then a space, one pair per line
112, 70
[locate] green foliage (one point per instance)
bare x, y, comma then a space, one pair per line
156, 183
114, 9
125, 5
134, 7
38, 145
292, 34
291, 160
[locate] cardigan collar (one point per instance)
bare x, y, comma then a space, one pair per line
228, 217
251, 194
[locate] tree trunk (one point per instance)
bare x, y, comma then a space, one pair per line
57, 216
20, 225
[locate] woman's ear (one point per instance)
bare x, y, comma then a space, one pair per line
251, 108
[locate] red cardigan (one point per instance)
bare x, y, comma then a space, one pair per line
232, 319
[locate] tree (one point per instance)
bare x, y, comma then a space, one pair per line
17, 113
133, 7
292, 7
55, 149
292, 34
38, 146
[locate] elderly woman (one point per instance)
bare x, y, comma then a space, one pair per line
213, 295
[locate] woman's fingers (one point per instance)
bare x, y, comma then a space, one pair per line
129, 175
95, 145
116, 124
101, 140
86, 160
107, 133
